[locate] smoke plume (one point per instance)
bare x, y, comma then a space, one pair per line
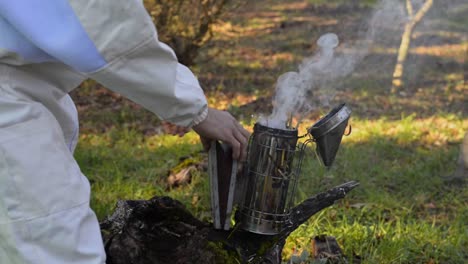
314, 83
370, 56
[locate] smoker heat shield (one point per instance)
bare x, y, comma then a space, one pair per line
329, 131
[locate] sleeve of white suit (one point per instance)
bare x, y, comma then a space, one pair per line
115, 43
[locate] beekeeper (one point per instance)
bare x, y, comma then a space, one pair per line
47, 48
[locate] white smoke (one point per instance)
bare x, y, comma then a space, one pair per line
292, 87
314, 84
295, 89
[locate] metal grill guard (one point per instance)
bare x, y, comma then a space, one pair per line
273, 166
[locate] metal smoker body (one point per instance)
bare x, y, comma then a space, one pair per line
265, 191
274, 166
272, 170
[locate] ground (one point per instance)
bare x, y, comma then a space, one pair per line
401, 148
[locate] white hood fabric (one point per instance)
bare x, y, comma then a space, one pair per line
47, 48
44, 197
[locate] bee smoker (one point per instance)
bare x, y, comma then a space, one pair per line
273, 168
272, 173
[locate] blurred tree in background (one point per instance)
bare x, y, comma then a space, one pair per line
186, 25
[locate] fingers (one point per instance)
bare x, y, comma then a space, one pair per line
242, 142
245, 133
206, 142
220, 125
234, 136
238, 138
242, 136
236, 148
245, 144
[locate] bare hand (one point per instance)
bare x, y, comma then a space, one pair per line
220, 125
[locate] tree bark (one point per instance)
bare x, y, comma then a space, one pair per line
406, 41
161, 230
461, 173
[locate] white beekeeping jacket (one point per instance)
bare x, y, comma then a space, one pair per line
111, 41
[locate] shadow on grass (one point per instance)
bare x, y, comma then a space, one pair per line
391, 174
403, 208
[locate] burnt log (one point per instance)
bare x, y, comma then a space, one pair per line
162, 230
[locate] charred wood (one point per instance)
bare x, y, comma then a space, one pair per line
162, 230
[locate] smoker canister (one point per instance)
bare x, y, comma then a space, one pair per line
272, 173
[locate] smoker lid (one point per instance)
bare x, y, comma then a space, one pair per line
328, 132
333, 119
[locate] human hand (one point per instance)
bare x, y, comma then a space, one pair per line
220, 125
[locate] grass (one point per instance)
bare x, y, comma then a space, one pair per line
403, 211
401, 149
122, 164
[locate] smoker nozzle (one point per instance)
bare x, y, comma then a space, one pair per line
329, 131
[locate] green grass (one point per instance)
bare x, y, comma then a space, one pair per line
122, 164
403, 211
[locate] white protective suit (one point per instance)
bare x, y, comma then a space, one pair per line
47, 48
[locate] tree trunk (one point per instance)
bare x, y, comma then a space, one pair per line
161, 230
406, 41
460, 176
